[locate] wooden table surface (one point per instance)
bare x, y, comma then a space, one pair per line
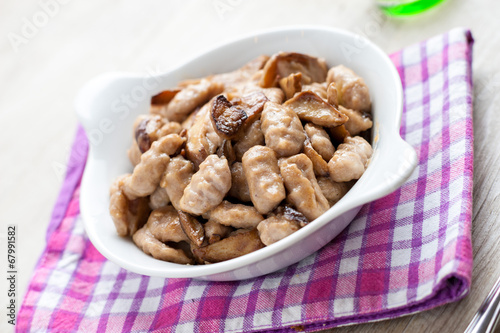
42, 67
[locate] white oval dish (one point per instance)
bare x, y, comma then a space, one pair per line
108, 105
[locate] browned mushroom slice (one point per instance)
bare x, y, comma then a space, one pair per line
252, 103
285, 63
231, 247
146, 130
332, 95
227, 118
311, 107
320, 166
138, 212
289, 213
141, 137
291, 84
239, 186
226, 150
214, 231
150, 245
317, 88
164, 97
192, 227
164, 225
358, 121
339, 133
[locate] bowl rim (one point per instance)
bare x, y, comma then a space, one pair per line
198, 271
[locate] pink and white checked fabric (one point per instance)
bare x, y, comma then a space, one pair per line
404, 253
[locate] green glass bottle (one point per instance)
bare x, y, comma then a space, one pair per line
405, 7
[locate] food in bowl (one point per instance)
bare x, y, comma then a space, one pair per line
228, 164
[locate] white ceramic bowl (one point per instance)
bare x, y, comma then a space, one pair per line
108, 105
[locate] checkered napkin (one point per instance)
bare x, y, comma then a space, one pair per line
404, 253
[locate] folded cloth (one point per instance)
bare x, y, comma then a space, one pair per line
407, 252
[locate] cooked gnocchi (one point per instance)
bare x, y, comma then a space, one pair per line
230, 163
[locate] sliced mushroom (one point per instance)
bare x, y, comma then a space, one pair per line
291, 84
317, 88
226, 150
146, 131
289, 213
164, 224
339, 133
282, 64
320, 166
332, 95
226, 118
192, 227
141, 137
164, 97
310, 107
239, 186
252, 103
150, 245
231, 247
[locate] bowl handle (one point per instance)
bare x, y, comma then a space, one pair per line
399, 161
108, 92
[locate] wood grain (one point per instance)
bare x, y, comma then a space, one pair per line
39, 81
